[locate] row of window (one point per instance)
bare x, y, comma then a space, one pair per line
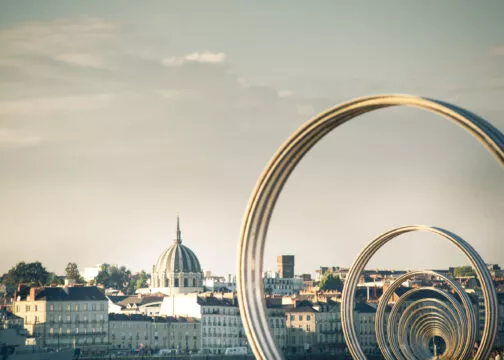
76, 331
300, 317
186, 282
223, 310
60, 307
76, 318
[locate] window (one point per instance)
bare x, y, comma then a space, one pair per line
84, 307
308, 317
102, 307
51, 331
93, 307
76, 308
300, 317
36, 307
292, 317
27, 308
176, 283
186, 283
68, 307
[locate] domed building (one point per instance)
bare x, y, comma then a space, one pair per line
177, 270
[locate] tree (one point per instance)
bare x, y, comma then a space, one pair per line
111, 276
141, 280
462, 271
72, 271
32, 274
54, 279
330, 282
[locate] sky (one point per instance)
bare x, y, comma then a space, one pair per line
116, 116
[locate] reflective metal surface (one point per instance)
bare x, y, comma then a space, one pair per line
274, 177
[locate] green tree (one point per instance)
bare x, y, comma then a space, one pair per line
330, 282
141, 280
112, 276
72, 271
26, 273
54, 279
461, 271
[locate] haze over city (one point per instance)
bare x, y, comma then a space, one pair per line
115, 118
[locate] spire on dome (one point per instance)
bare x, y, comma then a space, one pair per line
178, 240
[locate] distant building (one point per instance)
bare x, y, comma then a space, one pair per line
177, 270
314, 327
181, 305
220, 283
285, 266
365, 316
282, 286
143, 332
65, 316
221, 325
149, 305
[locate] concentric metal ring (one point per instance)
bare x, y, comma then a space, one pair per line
454, 314
348, 301
271, 182
395, 349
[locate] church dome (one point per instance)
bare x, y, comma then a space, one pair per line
178, 258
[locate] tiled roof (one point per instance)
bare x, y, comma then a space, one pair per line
157, 319
140, 301
76, 293
301, 309
213, 301
364, 308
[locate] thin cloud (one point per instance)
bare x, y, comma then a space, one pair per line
82, 59
205, 57
52, 104
18, 139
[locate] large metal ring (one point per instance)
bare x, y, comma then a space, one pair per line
348, 301
272, 180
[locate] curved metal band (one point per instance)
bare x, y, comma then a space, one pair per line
453, 347
348, 301
272, 180
455, 316
449, 329
384, 300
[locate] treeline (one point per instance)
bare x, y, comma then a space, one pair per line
109, 276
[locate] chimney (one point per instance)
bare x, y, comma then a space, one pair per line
33, 293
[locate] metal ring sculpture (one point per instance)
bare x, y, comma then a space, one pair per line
348, 301
270, 184
398, 337
439, 324
460, 344
419, 340
454, 314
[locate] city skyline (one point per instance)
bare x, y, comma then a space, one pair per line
114, 119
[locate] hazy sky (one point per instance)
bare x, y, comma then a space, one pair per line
117, 115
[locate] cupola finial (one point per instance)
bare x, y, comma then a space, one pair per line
178, 240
